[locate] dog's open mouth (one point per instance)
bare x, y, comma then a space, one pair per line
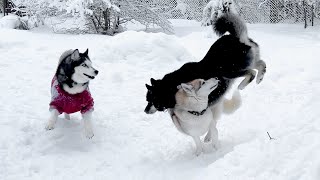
91, 77
213, 87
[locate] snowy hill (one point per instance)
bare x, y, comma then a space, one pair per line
129, 144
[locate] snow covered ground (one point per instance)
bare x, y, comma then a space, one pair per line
129, 144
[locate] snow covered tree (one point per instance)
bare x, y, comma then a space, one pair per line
140, 11
95, 16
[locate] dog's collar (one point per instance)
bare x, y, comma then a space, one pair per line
196, 113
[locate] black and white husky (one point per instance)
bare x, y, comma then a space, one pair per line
193, 116
70, 89
231, 56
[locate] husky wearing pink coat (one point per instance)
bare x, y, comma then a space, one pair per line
70, 89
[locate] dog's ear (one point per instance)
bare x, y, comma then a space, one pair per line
187, 88
75, 55
86, 52
153, 81
148, 87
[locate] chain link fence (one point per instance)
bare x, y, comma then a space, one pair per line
253, 11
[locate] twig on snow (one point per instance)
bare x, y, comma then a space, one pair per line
270, 136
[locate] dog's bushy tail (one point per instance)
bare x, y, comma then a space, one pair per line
232, 23
231, 105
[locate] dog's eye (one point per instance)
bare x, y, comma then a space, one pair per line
84, 65
203, 83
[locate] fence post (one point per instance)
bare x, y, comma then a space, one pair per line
304, 14
274, 11
4, 7
312, 14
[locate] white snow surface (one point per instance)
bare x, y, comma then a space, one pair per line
129, 144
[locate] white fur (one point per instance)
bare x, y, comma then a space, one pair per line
67, 116
80, 71
52, 120
152, 110
77, 88
88, 131
196, 99
86, 117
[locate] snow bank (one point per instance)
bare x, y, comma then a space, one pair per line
10, 22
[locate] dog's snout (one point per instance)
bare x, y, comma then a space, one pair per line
96, 72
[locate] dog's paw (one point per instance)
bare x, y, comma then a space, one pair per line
50, 125
88, 131
259, 78
89, 134
198, 151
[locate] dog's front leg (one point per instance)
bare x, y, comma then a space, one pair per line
199, 145
86, 117
249, 76
52, 120
261, 66
212, 136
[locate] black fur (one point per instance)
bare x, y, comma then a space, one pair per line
227, 59
66, 68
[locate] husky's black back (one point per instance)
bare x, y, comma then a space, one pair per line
230, 57
226, 57
66, 67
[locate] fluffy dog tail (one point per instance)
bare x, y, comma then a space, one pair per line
232, 23
231, 105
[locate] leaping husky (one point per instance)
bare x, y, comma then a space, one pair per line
236, 26
193, 116
70, 89
231, 56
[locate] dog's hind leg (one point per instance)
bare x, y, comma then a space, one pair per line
262, 68
86, 117
67, 116
211, 139
53, 119
249, 76
199, 145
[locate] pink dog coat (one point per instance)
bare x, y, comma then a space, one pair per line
69, 103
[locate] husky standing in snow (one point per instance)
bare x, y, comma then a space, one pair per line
193, 116
70, 89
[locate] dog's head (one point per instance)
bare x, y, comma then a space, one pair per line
159, 97
80, 67
195, 93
